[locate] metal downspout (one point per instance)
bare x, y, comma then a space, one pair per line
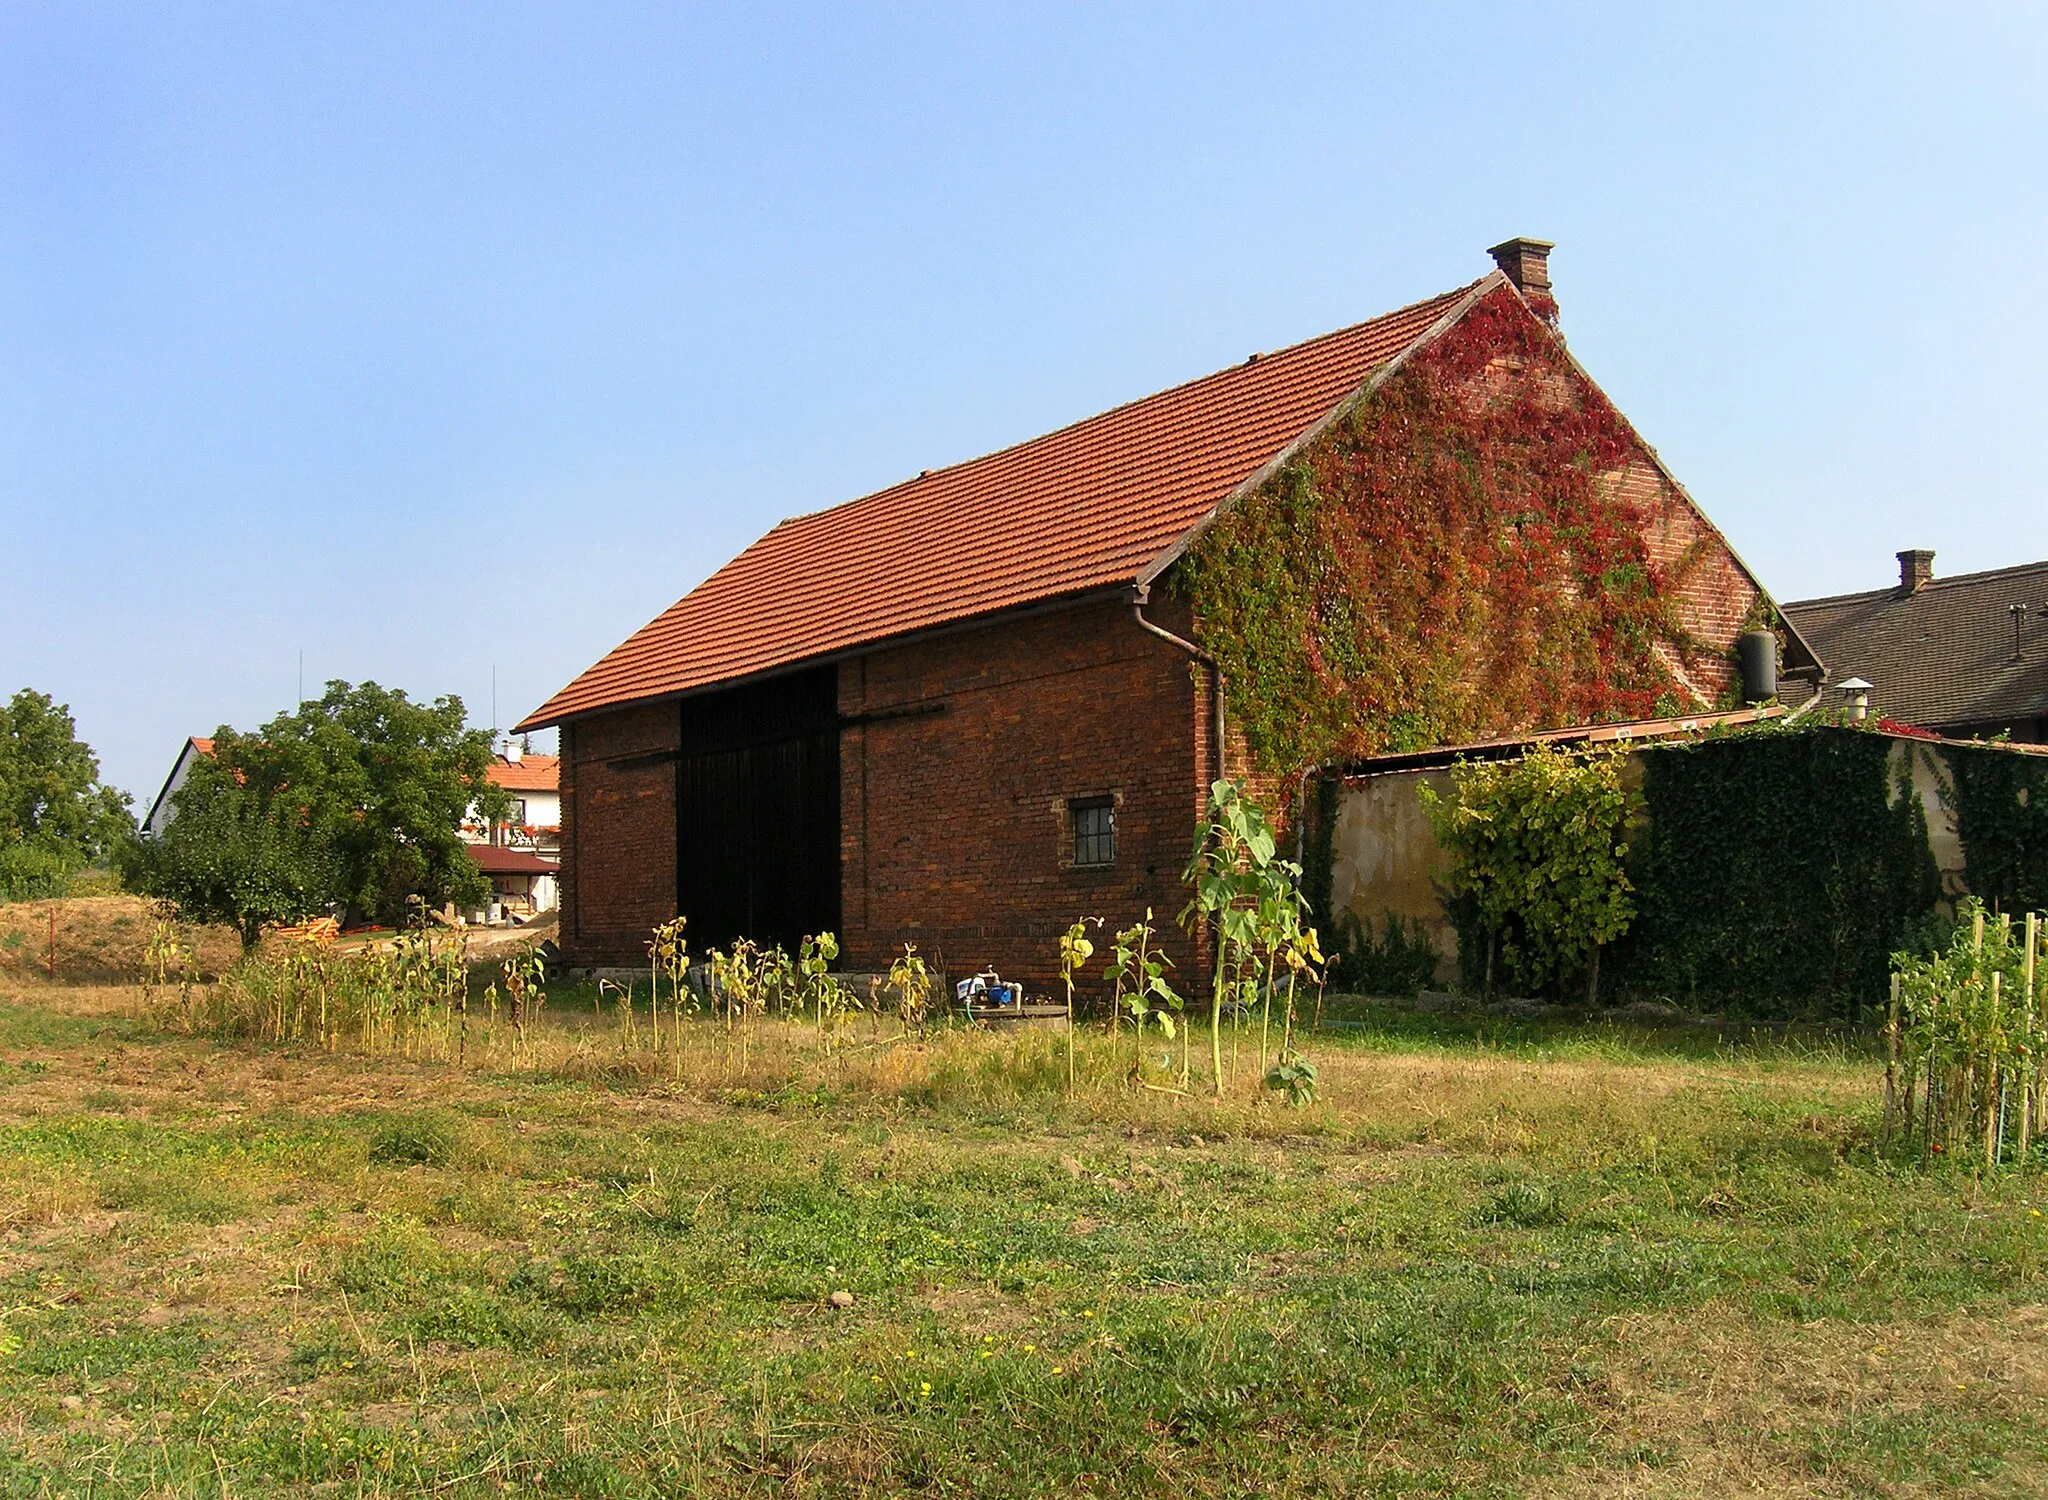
1216, 679
1216, 730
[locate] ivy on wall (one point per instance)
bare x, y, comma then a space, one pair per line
1450, 560
1776, 871
2001, 804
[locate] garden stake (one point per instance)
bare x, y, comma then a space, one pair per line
1993, 1087
2032, 1064
1891, 1061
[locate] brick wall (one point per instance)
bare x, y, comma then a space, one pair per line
1714, 594
618, 833
956, 832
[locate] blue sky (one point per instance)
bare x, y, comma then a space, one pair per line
428, 338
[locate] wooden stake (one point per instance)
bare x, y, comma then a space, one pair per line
2030, 1064
1891, 1062
1991, 1081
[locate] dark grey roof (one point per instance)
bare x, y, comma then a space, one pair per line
1943, 655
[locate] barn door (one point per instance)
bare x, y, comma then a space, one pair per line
757, 812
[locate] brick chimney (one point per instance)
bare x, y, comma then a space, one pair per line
1526, 263
1916, 570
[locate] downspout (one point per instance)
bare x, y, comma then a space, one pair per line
1216, 679
1216, 684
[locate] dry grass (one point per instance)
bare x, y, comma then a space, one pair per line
1566, 1263
99, 939
1731, 1408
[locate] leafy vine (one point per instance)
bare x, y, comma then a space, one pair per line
1455, 557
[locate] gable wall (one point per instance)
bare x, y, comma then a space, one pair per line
1482, 546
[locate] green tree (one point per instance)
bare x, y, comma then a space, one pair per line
232, 855
1536, 847
55, 816
355, 800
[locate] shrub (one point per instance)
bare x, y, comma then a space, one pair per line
1536, 846
1397, 961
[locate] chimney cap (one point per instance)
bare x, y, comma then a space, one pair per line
1526, 262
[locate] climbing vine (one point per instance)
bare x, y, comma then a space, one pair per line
2001, 803
1455, 557
1776, 871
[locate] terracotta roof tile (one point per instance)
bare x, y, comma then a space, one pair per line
530, 773
1089, 506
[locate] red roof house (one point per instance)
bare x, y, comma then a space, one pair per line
966, 709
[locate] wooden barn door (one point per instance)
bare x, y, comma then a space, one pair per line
757, 812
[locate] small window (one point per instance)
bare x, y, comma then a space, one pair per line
518, 818
1094, 831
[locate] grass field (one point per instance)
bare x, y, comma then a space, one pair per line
1523, 1259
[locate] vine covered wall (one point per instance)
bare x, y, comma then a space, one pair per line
2001, 806
1480, 545
1776, 872
1776, 867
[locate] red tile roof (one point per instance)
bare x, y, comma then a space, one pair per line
496, 859
1090, 506
530, 773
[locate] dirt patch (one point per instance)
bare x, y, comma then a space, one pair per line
976, 1310
1732, 1408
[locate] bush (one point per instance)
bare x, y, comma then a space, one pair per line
1398, 961
1536, 847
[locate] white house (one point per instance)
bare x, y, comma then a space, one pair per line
164, 808
534, 784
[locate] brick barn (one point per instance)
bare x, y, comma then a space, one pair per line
966, 709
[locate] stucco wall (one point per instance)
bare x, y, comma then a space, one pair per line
1384, 857
1385, 860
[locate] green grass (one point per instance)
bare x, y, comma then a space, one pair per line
1537, 1262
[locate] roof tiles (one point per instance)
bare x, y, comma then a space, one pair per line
1086, 507
1946, 655
530, 773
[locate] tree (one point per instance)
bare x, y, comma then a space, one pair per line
232, 855
1537, 849
55, 816
356, 800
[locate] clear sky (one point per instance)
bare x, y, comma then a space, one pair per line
423, 338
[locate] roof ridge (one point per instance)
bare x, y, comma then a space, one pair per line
1820, 599
1109, 411
1983, 574
1894, 591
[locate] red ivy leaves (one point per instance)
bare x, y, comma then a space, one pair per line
1452, 560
